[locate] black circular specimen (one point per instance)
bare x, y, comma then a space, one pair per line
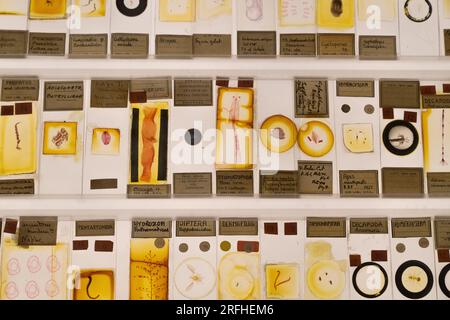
193, 137
392, 144
129, 9
409, 12
445, 290
360, 291
401, 287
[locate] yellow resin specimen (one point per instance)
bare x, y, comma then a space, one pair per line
95, 285
48, 9
282, 281
278, 133
336, 14
358, 138
177, 10
106, 141
60, 138
315, 138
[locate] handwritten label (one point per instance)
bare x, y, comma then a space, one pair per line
17, 186
257, 43
151, 228
369, 225
447, 41
192, 184
438, 183
212, 45
442, 233
174, 46
236, 183
336, 44
20, 89
399, 94
326, 227
193, 93
88, 45
297, 44
293, 13
63, 95
13, 43
311, 98
355, 88
148, 191
315, 177
436, 101
358, 183
411, 227
129, 45
155, 88
238, 226
37, 231
278, 183
196, 227
377, 47
95, 228
47, 44
109, 93
402, 181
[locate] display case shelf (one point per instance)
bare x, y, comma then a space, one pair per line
432, 68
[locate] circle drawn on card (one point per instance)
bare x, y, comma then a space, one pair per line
418, 10
13, 267
32, 289
424, 243
205, 246
225, 246
414, 279
131, 8
278, 133
160, 243
195, 278
400, 247
400, 137
11, 290
315, 138
369, 109
34, 264
345, 108
53, 264
183, 247
444, 280
193, 137
370, 280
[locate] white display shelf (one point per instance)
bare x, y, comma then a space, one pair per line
433, 68
122, 208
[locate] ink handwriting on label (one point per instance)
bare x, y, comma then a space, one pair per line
315, 177
311, 98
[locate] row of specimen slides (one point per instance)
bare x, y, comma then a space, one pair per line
189, 137
138, 28
228, 259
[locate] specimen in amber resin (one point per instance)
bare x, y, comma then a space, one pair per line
177, 10
149, 143
60, 138
195, 278
149, 269
14, 7
358, 138
239, 276
95, 285
337, 14
278, 133
315, 138
106, 141
91, 8
18, 139
48, 9
325, 277
282, 281
436, 139
234, 125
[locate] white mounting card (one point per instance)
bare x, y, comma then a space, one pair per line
326, 259
275, 126
419, 27
377, 17
94, 250
193, 266
412, 252
61, 168
256, 15
14, 14
214, 17
107, 147
370, 261
444, 25
282, 264
90, 17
